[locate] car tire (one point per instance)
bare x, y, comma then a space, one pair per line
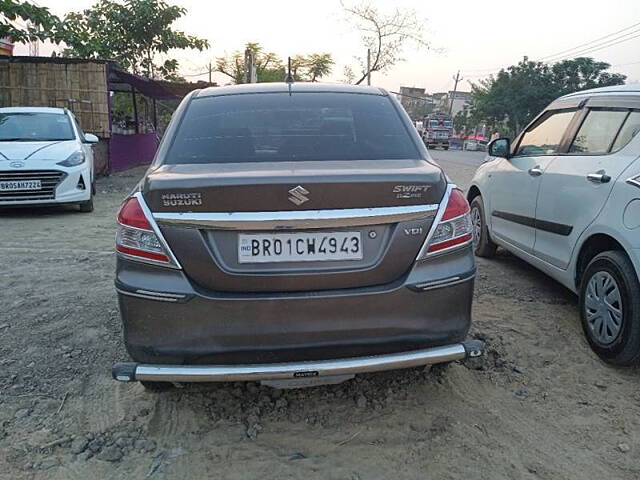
156, 387
614, 337
445, 148
483, 246
86, 207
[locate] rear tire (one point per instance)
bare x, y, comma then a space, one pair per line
483, 246
156, 387
610, 308
86, 207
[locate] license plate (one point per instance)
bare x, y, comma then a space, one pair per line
299, 247
11, 185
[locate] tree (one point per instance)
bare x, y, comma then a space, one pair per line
133, 33
508, 101
464, 123
270, 68
40, 23
583, 73
318, 65
384, 34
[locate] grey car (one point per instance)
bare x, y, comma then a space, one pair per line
295, 234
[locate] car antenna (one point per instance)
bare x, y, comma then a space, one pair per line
289, 77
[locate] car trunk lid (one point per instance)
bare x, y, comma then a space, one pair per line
204, 210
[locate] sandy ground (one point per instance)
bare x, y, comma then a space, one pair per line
540, 405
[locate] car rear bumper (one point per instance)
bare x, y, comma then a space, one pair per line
167, 320
129, 372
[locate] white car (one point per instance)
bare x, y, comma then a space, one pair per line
565, 197
45, 158
470, 145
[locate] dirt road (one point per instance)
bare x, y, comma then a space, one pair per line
539, 406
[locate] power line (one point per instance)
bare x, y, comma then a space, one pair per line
594, 48
597, 48
591, 46
195, 74
624, 64
589, 43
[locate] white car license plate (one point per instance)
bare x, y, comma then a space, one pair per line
12, 185
299, 247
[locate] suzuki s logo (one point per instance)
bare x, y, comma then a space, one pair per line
16, 164
298, 195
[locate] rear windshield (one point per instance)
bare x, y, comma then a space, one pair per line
34, 127
281, 127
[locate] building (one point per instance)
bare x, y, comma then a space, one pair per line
416, 102
454, 101
6, 46
125, 111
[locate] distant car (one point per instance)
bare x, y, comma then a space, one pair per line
45, 158
292, 233
471, 145
565, 197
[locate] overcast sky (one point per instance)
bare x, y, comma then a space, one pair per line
475, 37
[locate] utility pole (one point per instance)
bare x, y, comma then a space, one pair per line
210, 69
369, 66
457, 79
250, 73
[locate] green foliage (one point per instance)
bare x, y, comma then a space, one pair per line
508, 101
318, 65
131, 32
40, 23
464, 123
270, 68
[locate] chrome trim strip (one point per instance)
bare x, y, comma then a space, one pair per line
437, 282
162, 294
307, 219
147, 213
147, 297
274, 371
424, 287
422, 254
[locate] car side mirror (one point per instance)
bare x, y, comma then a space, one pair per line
91, 138
500, 147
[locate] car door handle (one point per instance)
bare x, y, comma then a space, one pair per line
535, 171
598, 177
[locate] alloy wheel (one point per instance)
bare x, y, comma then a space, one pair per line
603, 308
476, 222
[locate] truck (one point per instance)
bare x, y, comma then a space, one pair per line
438, 130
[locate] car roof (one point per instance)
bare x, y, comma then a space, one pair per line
59, 111
282, 87
629, 89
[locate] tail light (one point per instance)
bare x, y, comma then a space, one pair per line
454, 228
137, 239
